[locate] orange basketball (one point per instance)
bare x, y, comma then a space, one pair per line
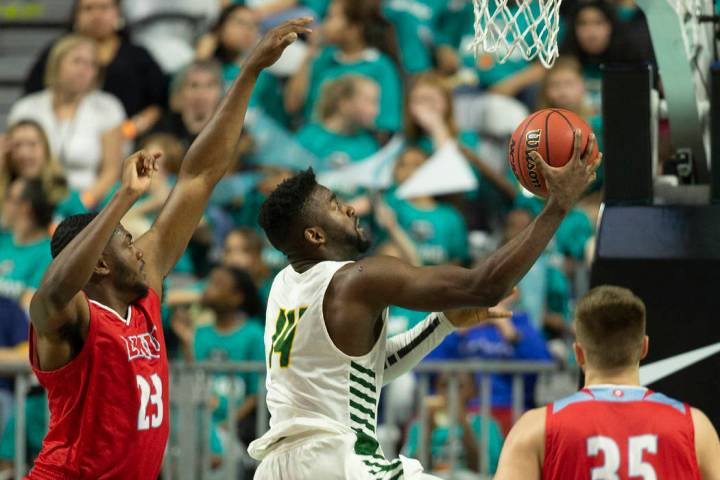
550, 133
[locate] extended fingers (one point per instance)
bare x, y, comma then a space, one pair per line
499, 312
589, 148
540, 162
577, 140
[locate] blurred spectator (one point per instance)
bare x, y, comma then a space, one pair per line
243, 248
345, 113
235, 335
505, 339
36, 427
633, 19
516, 77
28, 156
437, 229
467, 431
231, 38
196, 92
595, 37
429, 118
25, 245
13, 349
544, 293
359, 40
82, 123
430, 122
127, 71
416, 23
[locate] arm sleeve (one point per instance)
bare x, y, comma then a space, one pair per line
404, 351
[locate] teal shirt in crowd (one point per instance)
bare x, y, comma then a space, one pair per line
486, 68
71, 205
22, 266
268, 93
415, 22
246, 343
374, 65
36, 427
336, 149
440, 445
318, 6
439, 234
401, 320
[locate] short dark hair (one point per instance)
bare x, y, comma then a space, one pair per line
68, 229
281, 211
252, 304
611, 326
43, 209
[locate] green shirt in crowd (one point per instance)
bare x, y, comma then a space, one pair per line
268, 93
439, 233
440, 445
71, 205
22, 266
374, 65
246, 343
415, 25
336, 149
36, 427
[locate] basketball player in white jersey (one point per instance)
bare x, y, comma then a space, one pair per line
326, 352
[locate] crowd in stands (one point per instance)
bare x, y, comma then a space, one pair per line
387, 104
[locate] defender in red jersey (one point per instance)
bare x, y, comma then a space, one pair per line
613, 429
97, 344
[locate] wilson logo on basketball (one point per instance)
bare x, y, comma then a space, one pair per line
144, 345
532, 142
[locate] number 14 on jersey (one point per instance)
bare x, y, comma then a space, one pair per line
284, 336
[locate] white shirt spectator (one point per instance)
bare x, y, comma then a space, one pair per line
77, 142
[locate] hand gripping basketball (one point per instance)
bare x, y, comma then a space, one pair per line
567, 183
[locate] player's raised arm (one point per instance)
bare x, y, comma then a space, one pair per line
58, 301
209, 157
376, 282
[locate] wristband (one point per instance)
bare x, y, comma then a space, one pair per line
129, 129
87, 199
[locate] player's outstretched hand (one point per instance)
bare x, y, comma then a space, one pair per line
275, 41
471, 317
138, 170
567, 183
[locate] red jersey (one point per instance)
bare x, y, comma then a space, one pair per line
619, 433
109, 405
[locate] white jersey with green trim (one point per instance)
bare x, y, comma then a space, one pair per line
313, 388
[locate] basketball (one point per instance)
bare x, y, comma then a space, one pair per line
550, 133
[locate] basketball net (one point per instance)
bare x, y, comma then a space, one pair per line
529, 27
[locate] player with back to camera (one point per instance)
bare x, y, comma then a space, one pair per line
97, 344
326, 351
613, 429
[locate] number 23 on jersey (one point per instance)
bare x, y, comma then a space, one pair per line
284, 336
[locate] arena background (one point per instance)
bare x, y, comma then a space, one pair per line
404, 121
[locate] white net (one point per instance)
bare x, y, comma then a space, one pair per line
509, 28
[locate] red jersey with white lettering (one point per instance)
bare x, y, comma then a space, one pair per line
619, 433
109, 405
